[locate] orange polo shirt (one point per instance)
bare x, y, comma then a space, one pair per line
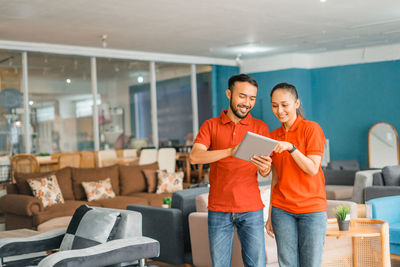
296, 191
233, 182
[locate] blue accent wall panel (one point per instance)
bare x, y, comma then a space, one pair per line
221, 75
267, 80
348, 100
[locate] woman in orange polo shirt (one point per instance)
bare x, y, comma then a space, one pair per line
298, 199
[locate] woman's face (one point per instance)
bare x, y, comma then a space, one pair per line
284, 105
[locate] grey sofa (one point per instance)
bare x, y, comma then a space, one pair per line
170, 226
371, 184
339, 179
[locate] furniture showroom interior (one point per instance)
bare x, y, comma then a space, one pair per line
106, 116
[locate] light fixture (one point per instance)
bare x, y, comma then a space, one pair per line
140, 79
322, 1
104, 40
116, 68
68, 80
31, 102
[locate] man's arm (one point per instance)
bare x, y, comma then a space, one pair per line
200, 154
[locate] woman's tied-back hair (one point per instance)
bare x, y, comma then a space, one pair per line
291, 89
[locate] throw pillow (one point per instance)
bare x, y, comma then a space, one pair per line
98, 189
47, 190
151, 178
169, 182
89, 227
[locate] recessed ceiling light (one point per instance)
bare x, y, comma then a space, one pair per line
322, 1
68, 80
140, 79
249, 49
31, 102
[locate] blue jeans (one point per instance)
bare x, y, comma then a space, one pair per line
299, 238
250, 229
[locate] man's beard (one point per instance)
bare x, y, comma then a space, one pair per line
236, 112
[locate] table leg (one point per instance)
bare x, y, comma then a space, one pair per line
188, 170
355, 252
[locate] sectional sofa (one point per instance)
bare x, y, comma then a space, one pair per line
23, 210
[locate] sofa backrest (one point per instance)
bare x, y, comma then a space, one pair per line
350, 165
391, 175
184, 200
80, 175
132, 179
63, 177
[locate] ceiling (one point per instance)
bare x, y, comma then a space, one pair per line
221, 29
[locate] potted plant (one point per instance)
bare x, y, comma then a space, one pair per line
342, 213
166, 202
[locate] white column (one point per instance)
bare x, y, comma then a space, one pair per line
95, 108
27, 119
153, 100
195, 110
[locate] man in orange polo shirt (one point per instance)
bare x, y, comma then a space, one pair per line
234, 199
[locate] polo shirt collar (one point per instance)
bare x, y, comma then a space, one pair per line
296, 124
225, 119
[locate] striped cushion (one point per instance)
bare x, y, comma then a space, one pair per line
89, 227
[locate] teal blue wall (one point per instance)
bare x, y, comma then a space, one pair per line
345, 100
348, 100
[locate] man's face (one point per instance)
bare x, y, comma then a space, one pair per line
242, 98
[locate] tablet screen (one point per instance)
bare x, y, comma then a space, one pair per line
255, 144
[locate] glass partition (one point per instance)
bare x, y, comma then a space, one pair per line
125, 103
61, 103
11, 104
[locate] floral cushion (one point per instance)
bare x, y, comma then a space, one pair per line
169, 182
98, 189
47, 190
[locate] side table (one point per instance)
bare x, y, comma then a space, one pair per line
369, 239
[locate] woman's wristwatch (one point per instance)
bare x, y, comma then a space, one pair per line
293, 149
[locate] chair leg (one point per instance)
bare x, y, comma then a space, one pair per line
142, 263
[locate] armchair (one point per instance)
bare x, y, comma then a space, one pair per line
371, 184
125, 243
339, 179
170, 226
387, 209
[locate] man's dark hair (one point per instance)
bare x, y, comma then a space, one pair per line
241, 78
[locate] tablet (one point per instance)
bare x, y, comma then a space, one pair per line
255, 144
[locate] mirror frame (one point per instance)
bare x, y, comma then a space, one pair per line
369, 141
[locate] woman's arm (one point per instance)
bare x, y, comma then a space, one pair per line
200, 154
309, 164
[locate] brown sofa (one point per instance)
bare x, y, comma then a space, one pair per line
22, 210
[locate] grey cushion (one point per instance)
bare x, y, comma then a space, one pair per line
391, 175
377, 179
90, 227
337, 177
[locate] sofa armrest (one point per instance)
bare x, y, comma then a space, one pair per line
37, 243
164, 225
362, 180
20, 204
109, 253
372, 192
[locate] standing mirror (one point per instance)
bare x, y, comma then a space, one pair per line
383, 146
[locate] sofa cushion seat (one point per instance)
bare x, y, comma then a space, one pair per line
339, 191
58, 210
80, 175
153, 199
63, 178
119, 202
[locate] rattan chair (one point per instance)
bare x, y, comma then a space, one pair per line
25, 163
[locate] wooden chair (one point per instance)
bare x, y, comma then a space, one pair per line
88, 159
25, 163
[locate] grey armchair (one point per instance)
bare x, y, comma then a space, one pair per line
127, 246
339, 179
371, 184
170, 226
